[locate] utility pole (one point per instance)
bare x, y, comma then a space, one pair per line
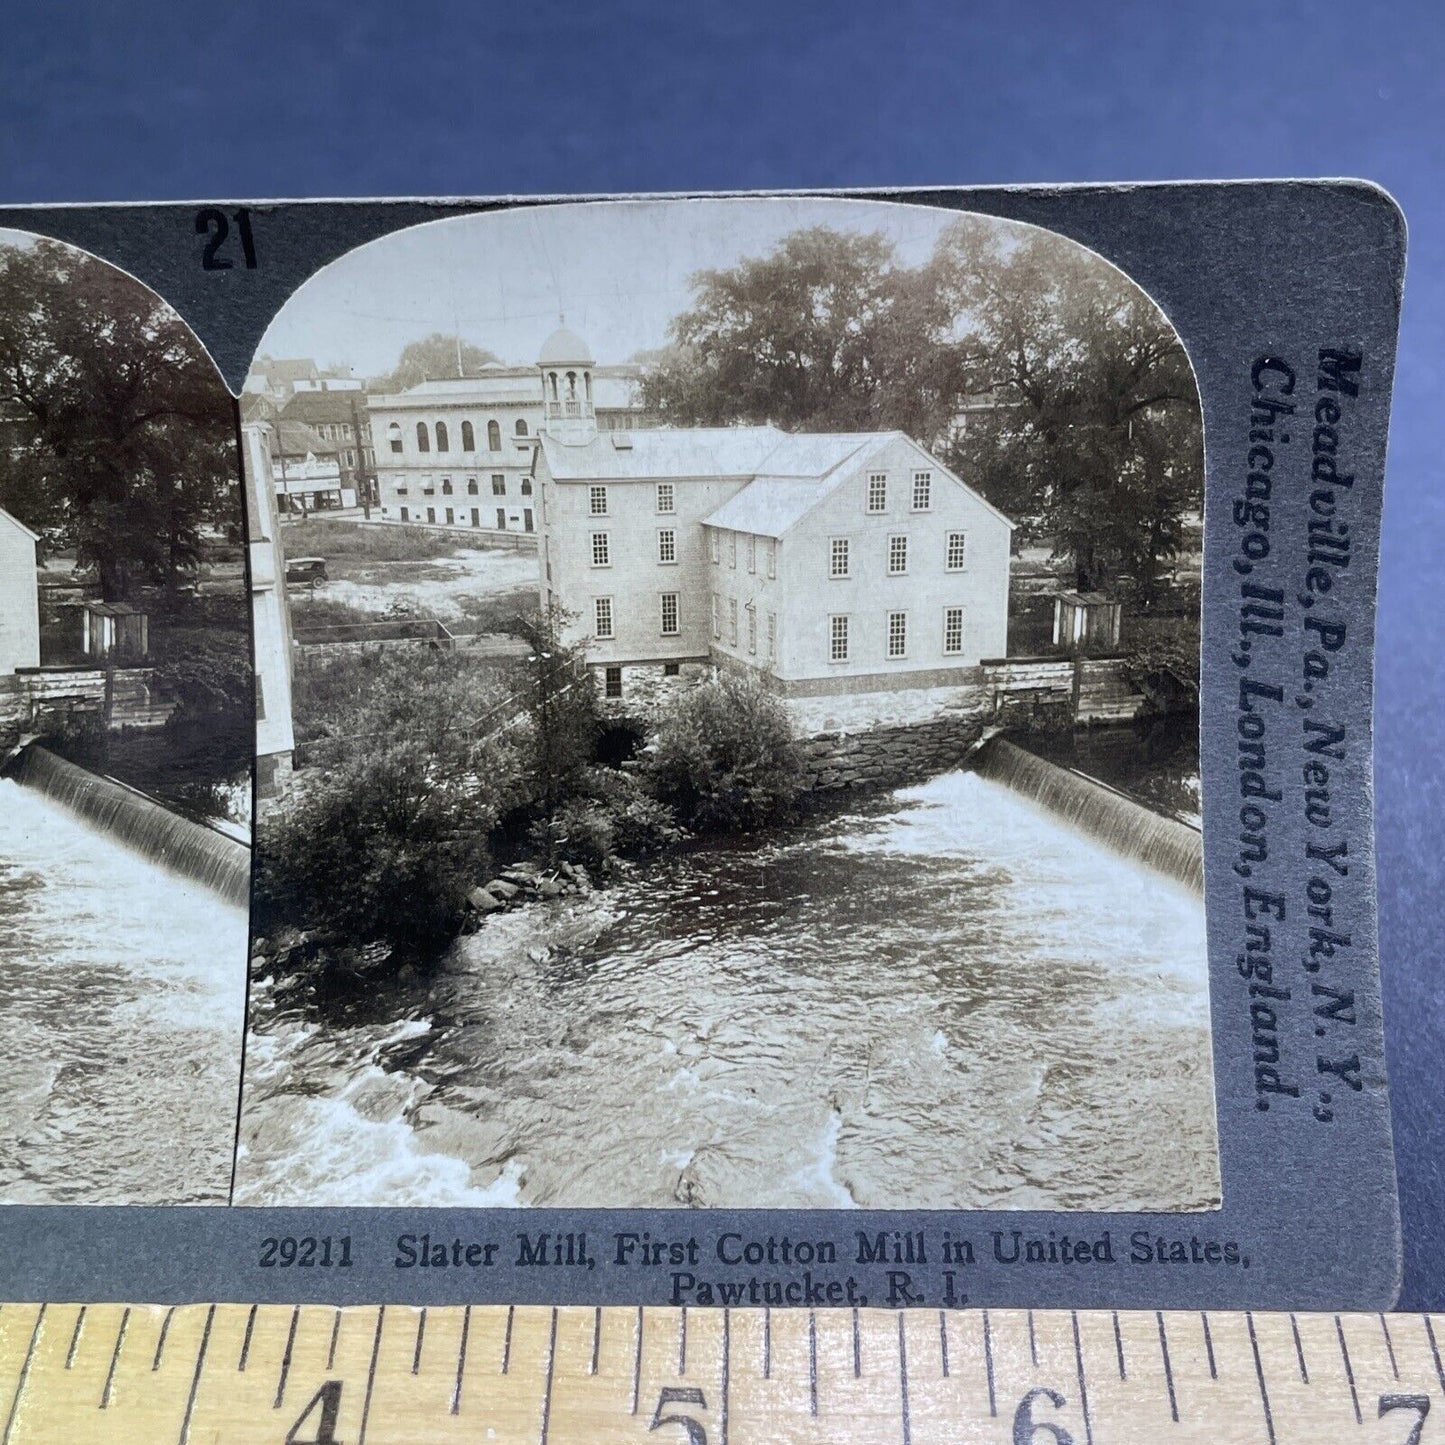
363, 476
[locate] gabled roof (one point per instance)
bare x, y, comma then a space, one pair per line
18, 524
296, 439
323, 406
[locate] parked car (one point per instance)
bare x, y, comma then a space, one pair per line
306, 571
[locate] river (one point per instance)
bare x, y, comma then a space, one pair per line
122, 999
942, 1000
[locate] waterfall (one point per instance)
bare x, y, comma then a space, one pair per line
1115, 819
187, 848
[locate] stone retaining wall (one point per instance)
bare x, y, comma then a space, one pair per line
887, 757
52, 700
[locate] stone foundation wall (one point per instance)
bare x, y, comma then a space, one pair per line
888, 757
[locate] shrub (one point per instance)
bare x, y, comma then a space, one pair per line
612, 817
724, 759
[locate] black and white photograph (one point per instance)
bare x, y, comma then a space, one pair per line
727, 697
126, 743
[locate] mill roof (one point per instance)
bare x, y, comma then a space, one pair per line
18, 524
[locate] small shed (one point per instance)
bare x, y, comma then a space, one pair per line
1086, 619
114, 631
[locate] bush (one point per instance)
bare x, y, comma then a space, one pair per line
612, 817
1162, 660
724, 759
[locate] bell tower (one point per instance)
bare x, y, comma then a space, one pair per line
568, 411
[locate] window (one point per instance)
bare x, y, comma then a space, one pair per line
878, 491
446, 486
499, 484
837, 639
922, 491
752, 554
597, 501
671, 669
898, 634
716, 618
897, 555
405, 517
716, 547
838, 557
733, 620
469, 437
602, 616
772, 559
612, 682
471, 486
667, 546
520, 428
528, 524
669, 614
494, 437
501, 519
732, 549
956, 551
451, 516
752, 629
423, 439
427, 489
601, 550
476, 516
443, 444
401, 489
666, 497
772, 635
526, 486
431, 514
953, 629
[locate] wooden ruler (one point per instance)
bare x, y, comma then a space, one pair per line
278, 1375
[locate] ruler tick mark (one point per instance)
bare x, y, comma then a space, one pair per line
1079, 1371
1033, 1342
246, 1338
903, 1382
507, 1340
1119, 1347
114, 1359
462, 1356
637, 1358
857, 1348
1389, 1346
331, 1348
185, 1434
943, 1341
551, 1370
596, 1339
1209, 1345
727, 1354
371, 1376
1259, 1375
767, 1343
1299, 1350
24, 1373
286, 1360
1434, 1350
420, 1336
1168, 1368
75, 1339
682, 1342
161, 1343
988, 1364
1349, 1370
813, 1363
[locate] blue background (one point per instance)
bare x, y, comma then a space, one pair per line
439, 97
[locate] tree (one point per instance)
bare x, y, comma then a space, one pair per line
560, 698
432, 358
724, 758
124, 434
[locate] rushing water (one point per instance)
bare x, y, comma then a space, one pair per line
947, 1001
122, 999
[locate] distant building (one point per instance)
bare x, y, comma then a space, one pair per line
270, 617
308, 469
458, 452
338, 419
829, 562
19, 596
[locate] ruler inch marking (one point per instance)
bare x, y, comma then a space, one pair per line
767, 1343
24, 1376
942, 1344
682, 1343
161, 1343
1389, 1346
1119, 1346
1299, 1350
114, 1359
331, 1348
547, 1388
246, 1339
184, 1437
420, 1336
1435, 1350
1033, 1342
1259, 1375
727, 1350
857, 1347
75, 1339
370, 1376
988, 1365
1349, 1369
903, 1382
286, 1359
637, 1358
506, 1339
1079, 1371
596, 1339
813, 1360
1208, 1344
1168, 1367
462, 1357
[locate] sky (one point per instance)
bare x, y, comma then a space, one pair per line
618, 271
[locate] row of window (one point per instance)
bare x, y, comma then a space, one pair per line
499, 486
528, 522
840, 554
769, 546
599, 503
751, 613
442, 433
666, 547
896, 630
669, 616
920, 497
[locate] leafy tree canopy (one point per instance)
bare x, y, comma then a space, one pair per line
432, 358
118, 433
